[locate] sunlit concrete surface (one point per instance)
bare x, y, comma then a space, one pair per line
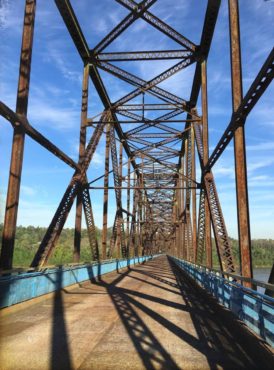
147, 317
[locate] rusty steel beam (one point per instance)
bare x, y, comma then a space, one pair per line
211, 17
106, 188
22, 123
118, 233
163, 207
81, 45
160, 25
90, 224
143, 55
202, 53
54, 230
210, 20
208, 242
12, 202
82, 145
239, 145
136, 107
193, 200
208, 187
158, 122
128, 206
148, 123
256, 90
123, 122
138, 187
136, 13
200, 252
146, 86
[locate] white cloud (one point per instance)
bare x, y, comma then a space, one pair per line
98, 159
45, 114
56, 56
28, 190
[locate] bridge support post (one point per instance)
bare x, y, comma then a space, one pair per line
239, 144
208, 243
194, 207
120, 212
128, 207
178, 213
183, 226
105, 205
82, 146
18, 142
134, 226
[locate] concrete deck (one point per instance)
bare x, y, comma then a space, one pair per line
148, 317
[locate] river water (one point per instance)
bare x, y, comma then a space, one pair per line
261, 274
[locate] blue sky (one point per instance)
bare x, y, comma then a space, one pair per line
55, 98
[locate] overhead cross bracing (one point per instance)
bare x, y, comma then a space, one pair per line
163, 135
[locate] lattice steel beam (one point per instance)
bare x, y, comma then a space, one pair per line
136, 13
22, 122
79, 40
143, 55
146, 86
256, 90
160, 25
53, 232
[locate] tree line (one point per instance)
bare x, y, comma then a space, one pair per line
28, 239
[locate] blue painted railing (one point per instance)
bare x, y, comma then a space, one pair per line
255, 309
21, 287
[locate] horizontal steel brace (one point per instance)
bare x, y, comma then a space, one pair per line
19, 121
141, 187
143, 55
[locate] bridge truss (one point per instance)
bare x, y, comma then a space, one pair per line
160, 182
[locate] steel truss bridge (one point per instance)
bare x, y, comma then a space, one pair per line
160, 214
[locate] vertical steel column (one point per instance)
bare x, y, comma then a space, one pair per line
136, 214
239, 144
105, 206
120, 213
183, 246
133, 220
185, 204
180, 210
141, 215
82, 146
180, 238
174, 214
208, 242
17, 154
194, 207
128, 204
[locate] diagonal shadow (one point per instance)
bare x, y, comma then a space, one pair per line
219, 330
148, 347
215, 341
146, 344
156, 277
151, 352
155, 285
60, 352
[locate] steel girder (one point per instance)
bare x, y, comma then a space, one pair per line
50, 239
163, 160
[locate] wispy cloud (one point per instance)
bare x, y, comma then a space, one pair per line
28, 190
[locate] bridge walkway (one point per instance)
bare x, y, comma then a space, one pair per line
149, 316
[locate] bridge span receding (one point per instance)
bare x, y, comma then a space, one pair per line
148, 316
159, 193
